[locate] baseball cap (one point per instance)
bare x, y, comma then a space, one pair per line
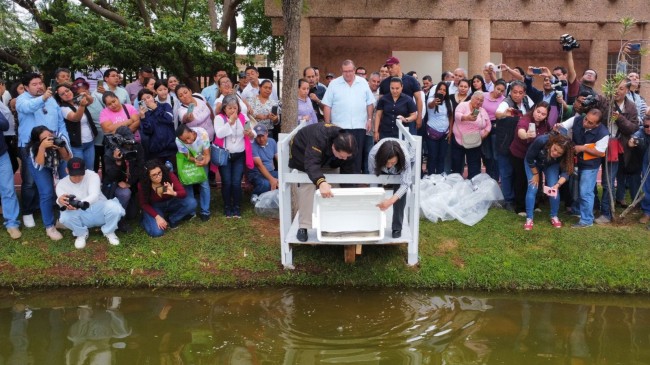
242, 75
329, 75
260, 129
76, 167
392, 61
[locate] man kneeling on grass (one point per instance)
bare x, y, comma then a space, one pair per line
84, 206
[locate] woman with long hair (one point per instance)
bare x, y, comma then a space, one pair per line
78, 121
163, 95
48, 153
392, 156
234, 134
163, 200
306, 110
478, 84
261, 107
226, 88
437, 129
172, 83
194, 112
491, 102
551, 154
529, 127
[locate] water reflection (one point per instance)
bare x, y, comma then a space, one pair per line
319, 326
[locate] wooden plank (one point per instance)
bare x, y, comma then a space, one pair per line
349, 254
358, 249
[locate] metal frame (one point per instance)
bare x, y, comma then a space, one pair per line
287, 178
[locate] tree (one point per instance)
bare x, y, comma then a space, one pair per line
291, 10
256, 33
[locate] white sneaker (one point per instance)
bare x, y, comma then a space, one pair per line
112, 238
53, 233
28, 221
254, 199
80, 242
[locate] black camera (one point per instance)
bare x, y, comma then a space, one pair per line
589, 102
568, 42
58, 142
78, 204
127, 146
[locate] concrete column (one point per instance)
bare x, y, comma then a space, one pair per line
478, 47
305, 44
598, 61
450, 50
645, 65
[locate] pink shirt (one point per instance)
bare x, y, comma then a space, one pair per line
108, 115
481, 124
491, 106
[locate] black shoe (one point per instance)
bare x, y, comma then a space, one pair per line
204, 217
397, 233
302, 234
172, 225
123, 226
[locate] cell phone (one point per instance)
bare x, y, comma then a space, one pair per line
475, 112
550, 192
635, 47
537, 71
161, 190
439, 97
143, 104
53, 84
190, 108
497, 68
247, 125
274, 110
517, 113
100, 83
532, 127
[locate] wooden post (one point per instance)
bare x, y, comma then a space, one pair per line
349, 253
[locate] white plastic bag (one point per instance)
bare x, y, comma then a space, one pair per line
448, 197
268, 204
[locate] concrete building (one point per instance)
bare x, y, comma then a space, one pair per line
430, 36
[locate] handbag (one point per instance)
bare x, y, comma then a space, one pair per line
188, 172
471, 139
434, 134
614, 148
219, 156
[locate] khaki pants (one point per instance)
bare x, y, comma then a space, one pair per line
305, 196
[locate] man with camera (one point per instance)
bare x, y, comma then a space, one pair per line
552, 91
84, 206
588, 80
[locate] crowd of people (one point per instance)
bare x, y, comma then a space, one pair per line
154, 147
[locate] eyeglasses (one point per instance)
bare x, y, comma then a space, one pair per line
646, 126
361, 74
155, 175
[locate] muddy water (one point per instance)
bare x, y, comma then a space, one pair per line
320, 326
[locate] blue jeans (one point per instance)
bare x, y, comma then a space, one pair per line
231, 178
104, 213
551, 175
44, 181
28, 191
260, 183
625, 182
87, 152
437, 150
173, 210
10, 206
645, 203
493, 168
607, 180
506, 175
204, 194
587, 185
458, 156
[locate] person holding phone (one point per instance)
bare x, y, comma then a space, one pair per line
235, 135
438, 122
551, 154
79, 122
164, 201
156, 128
194, 112
471, 126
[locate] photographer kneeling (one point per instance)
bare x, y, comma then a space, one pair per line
84, 206
124, 158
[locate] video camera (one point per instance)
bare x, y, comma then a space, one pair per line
78, 204
558, 86
589, 102
568, 42
127, 146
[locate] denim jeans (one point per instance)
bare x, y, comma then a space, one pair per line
437, 150
587, 185
607, 180
103, 213
10, 206
231, 178
28, 190
493, 165
458, 156
87, 152
260, 183
44, 181
173, 210
551, 176
204, 193
645, 203
625, 182
505, 173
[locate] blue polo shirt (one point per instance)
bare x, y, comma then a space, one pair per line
409, 85
266, 154
404, 106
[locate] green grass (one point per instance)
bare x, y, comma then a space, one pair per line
495, 254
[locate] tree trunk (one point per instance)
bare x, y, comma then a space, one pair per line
212, 14
104, 12
291, 10
232, 42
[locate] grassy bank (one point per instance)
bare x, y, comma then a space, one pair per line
495, 254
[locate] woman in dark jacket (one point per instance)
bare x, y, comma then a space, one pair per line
157, 128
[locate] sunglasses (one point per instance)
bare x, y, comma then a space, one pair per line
646, 126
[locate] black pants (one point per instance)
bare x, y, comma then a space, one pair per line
398, 210
359, 135
519, 183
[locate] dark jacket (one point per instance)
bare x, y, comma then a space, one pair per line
311, 150
157, 131
74, 128
627, 123
4, 126
582, 136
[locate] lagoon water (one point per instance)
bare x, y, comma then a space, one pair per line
320, 326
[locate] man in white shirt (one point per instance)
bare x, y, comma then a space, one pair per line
253, 87
349, 104
84, 206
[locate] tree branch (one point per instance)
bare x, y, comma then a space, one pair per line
14, 60
31, 7
105, 5
105, 13
144, 14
